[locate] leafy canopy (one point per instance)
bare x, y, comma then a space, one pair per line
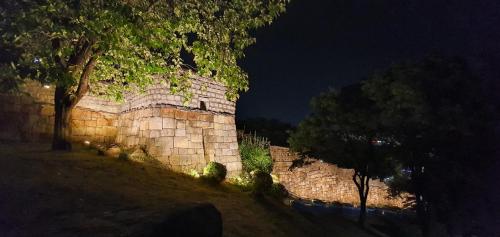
344, 129
131, 41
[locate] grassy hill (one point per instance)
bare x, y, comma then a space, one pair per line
45, 193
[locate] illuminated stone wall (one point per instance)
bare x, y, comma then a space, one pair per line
184, 140
327, 182
29, 116
182, 136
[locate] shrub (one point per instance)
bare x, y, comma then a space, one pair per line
123, 156
261, 182
242, 182
278, 191
194, 174
254, 152
215, 172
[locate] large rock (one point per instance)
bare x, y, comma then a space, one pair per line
200, 220
113, 151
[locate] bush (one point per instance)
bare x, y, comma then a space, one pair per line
254, 152
215, 172
242, 182
123, 156
278, 191
261, 182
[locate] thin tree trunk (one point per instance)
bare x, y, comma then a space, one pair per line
363, 185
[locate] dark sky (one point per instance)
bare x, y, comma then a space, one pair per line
319, 44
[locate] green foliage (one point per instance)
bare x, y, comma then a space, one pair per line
254, 152
278, 191
442, 116
215, 172
343, 129
243, 181
123, 156
194, 174
121, 44
261, 182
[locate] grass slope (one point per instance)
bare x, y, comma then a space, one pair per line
44, 193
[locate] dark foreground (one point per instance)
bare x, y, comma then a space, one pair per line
79, 193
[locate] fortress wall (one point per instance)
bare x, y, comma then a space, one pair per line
213, 95
183, 140
29, 116
327, 182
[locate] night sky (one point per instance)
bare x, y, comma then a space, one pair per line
319, 44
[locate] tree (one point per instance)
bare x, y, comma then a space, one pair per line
112, 47
439, 114
344, 129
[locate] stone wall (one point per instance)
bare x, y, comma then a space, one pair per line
29, 116
211, 93
183, 140
327, 182
182, 136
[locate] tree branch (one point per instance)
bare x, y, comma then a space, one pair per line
83, 84
82, 54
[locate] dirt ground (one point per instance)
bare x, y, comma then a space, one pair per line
45, 193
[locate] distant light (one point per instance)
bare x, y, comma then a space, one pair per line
86, 143
46, 86
37, 60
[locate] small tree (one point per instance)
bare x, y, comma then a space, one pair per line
344, 129
109, 47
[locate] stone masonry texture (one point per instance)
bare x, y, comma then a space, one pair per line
183, 136
327, 182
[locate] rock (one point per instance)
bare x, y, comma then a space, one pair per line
113, 151
201, 220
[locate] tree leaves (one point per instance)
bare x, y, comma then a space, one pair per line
136, 39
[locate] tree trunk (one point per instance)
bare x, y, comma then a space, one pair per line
81, 64
362, 181
62, 129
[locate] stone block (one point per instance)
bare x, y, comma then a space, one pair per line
181, 142
180, 132
90, 123
181, 124
167, 112
193, 116
103, 122
179, 114
154, 133
166, 142
219, 119
155, 123
169, 123
196, 138
144, 125
167, 132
